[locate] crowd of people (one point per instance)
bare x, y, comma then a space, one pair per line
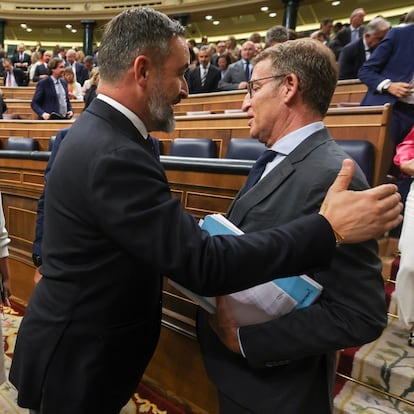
42, 68
93, 257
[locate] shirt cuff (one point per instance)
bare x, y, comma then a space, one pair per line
240, 344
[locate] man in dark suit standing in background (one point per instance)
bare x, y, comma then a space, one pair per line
51, 97
287, 365
349, 34
79, 69
21, 59
354, 54
42, 70
106, 244
204, 77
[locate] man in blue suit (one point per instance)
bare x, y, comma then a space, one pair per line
51, 95
389, 77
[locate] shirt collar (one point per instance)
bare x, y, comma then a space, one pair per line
139, 125
290, 141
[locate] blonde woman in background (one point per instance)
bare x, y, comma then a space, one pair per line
74, 88
91, 92
5, 277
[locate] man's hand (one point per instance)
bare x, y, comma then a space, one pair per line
400, 89
224, 325
360, 215
37, 276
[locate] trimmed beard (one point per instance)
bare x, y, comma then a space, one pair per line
162, 115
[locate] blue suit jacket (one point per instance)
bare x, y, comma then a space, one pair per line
45, 98
392, 59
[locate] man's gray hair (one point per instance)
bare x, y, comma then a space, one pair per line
377, 24
135, 32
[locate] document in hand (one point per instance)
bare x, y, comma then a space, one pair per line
263, 302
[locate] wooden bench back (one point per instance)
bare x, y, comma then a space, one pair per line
369, 123
22, 108
356, 123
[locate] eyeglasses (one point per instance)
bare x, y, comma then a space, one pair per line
250, 83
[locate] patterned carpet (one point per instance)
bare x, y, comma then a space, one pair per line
378, 377
145, 400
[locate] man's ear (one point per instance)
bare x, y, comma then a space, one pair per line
291, 85
141, 68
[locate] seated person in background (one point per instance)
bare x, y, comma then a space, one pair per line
74, 88
51, 94
91, 92
204, 77
404, 290
354, 54
223, 63
238, 73
13, 77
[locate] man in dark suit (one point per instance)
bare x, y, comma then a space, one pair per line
13, 77
42, 70
238, 73
21, 59
287, 365
349, 34
93, 320
51, 94
389, 77
354, 54
80, 71
204, 77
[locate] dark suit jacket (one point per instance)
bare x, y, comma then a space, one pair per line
20, 77
40, 70
111, 230
234, 75
81, 73
342, 38
290, 362
392, 59
351, 59
45, 98
26, 59
210, 84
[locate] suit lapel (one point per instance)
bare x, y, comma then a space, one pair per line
272, 181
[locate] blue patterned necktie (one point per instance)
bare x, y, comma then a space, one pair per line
257, 169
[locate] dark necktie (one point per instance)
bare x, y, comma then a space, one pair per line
247, 70
257, 169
